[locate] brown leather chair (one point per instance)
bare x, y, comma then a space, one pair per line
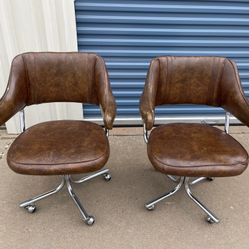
183, 150
59, 147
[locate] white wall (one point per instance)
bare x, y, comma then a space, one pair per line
37, 25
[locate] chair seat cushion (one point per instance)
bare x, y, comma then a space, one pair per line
59, 147
195, 150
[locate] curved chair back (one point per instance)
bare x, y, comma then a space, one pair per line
210, 81
54, 77
43, 77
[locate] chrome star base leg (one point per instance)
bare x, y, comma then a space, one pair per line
88, 219
151, 205
30, 204
201, 179
211, 218
104, 172
67, 180
173, 178
197, 180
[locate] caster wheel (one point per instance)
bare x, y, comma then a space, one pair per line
210, 179
150, 208
30, 208
90, 220
210, 220
107, 177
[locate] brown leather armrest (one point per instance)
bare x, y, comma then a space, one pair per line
147, 112
109, 112
148, 98
233, 97
105, 96
14, 98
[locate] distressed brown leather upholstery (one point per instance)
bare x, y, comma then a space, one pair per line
195, 150
173, 149
210, 81
61, 147
58, 77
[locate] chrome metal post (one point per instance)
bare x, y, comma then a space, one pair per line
22, 120
227, 122
88, 219
145, 134
107, 132
211, 217
151, 205
29, 204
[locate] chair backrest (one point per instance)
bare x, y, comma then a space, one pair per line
210, 81
56, 77
188, 80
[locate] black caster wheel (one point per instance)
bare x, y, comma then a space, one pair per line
150, 208
31, 208
210, 179
210, 220
89, 220
107, 177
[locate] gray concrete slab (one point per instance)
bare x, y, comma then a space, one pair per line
121, 220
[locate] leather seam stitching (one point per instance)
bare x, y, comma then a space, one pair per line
238, 85
95, 80
61, 163
158, 83
166, 80
200, 166
220, 78
27, 76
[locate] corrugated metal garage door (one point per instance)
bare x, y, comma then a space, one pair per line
129, 33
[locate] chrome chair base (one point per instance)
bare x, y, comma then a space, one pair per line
211, 218
197, 180
67, 181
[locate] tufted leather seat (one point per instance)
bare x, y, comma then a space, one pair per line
59, 148
195, 150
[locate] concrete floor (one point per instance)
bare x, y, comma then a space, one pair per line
121, 220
